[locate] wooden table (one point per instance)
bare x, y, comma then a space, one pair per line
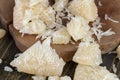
8, 50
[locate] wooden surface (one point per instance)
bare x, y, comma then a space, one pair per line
112, 9
107, 44
8, 50
6, 12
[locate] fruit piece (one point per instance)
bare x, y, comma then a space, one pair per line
48, 17
26, 18
38, 78
35, 2
88, 37
39, 59
88, 54
53, 78
61, 36
78, 28
118, 51
59, 78
34, 27
84, 8
60, 5
38, 9
84, 72
18, 14
2, 33
65, 78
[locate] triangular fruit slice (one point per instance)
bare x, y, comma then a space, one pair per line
88, 53
40, 59
84, 72
84, 8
